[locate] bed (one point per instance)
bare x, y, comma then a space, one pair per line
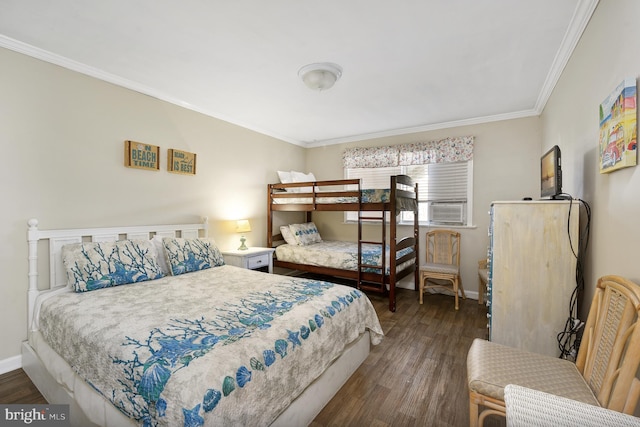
374, 265
128, 337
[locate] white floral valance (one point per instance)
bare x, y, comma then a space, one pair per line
446, 150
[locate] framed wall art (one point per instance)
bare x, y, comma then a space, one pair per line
181, 162
141, 156
618, 145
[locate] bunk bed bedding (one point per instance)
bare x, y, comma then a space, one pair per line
341, 255
220, 346
372, 195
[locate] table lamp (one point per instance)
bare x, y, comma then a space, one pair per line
243, 226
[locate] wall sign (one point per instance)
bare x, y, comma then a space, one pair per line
181, 162
141, 156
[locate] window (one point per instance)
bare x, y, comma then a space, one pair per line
445, 190
443, 170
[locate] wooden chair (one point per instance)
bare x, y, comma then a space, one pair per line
483, 279
443, 263
604, 373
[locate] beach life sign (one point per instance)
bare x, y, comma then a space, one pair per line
181, 162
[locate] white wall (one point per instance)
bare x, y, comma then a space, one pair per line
506, 166
605, 55
62, 136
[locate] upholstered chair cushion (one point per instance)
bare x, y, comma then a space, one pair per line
491, 366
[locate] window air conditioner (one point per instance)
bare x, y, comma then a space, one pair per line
447, 213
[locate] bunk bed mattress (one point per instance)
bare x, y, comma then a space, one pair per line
222, 346
340, 255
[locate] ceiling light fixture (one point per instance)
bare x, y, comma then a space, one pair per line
320, 76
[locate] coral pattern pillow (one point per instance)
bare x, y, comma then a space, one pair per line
187, 255
305, 234
97, 265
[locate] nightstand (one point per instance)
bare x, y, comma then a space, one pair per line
252, 258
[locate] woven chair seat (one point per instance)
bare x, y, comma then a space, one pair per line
532, 408
440, 268
491, 367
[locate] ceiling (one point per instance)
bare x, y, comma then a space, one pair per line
408, 65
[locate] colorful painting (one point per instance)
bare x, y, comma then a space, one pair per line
618, 123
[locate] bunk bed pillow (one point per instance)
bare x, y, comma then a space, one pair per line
97, 265
187, 255
305, 234
295, 176
285, 177
288, 236
302, 177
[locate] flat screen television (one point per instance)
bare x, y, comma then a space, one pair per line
551, 174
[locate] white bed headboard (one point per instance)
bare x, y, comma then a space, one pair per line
59, 238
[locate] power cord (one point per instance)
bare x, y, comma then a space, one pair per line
569, 339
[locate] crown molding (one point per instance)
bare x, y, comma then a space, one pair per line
579, 22
52, 58
423, 128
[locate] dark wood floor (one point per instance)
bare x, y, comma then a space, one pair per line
15, 387
415, 377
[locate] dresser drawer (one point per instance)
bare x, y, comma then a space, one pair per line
258, 261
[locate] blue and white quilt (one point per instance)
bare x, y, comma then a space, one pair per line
338, 254
222, 346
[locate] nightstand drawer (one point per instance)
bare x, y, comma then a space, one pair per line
254, 258
258, 261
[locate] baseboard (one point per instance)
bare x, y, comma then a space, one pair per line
10, 364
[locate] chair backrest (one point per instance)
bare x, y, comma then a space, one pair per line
443, 247
609, 353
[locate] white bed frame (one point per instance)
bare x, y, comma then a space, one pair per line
301, 412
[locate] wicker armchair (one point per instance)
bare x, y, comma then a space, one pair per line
532, 408
604, 373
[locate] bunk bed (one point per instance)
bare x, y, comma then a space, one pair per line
372, 206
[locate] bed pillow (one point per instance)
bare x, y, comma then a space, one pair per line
97, 265
305, 234
161, 257
187, 255
302, 177
287, 235
285, 177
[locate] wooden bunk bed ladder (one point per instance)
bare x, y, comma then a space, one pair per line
376, 286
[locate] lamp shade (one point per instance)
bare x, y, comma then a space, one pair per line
320, 76
243, 226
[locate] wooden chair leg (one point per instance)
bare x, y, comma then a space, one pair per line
455, 291
459, 279
473, 413
421, 287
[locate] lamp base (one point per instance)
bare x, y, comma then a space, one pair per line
243, 247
